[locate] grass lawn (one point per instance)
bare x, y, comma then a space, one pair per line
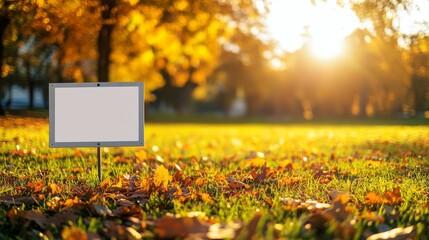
219, 181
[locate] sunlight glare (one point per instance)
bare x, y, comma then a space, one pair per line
328, 24
326, 48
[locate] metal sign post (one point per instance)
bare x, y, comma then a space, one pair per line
96, 115
99, 164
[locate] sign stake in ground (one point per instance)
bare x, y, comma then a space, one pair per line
96, 115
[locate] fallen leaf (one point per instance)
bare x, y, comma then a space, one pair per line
248, 231
73, 233
161, 177
132, 211
53, 188
142, 155
36, 216
388, 198
105, 183
102, 210
35, 187
206, 198
18, 200
78, 170
339, 213
132, 233
395, 234
199, 182
171, 227
61, 218
71, 201
234, 184
260, 177
78, 154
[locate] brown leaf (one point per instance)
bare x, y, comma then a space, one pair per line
36, 216
170, 227
389, 198
133, 211
395, 234
11, 200
115, 230
260, 177
234, 184
339, 213
35, 187
248, 231
102, 210
61, 218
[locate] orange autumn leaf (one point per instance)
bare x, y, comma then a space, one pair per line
78, 154
199, 182
206, 198
74, 233
71, 201
35, 187
105, 183
142, 155
161, 177
389, 197
234, 184
78, 170
118, 184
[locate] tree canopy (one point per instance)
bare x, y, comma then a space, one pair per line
177, 46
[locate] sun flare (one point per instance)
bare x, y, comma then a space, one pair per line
323, 25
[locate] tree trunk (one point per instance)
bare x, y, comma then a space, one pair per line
105, 39
31, 87
419, 84
30, 84
4, 22
363, 100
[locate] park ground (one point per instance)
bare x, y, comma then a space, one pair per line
227, 180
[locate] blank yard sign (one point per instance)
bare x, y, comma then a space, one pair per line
96, 114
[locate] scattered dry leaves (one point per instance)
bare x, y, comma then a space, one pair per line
389, 197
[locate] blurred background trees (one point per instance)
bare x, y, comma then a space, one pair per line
216, 56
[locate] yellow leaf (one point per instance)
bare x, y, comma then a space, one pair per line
206, 198
105, 183
142, 155
118, 184
162, 177
53, 188
73, 233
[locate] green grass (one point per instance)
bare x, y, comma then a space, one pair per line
304, 162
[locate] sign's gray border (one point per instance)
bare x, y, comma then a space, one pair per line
53, 86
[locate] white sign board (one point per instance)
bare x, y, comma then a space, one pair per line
96, 114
